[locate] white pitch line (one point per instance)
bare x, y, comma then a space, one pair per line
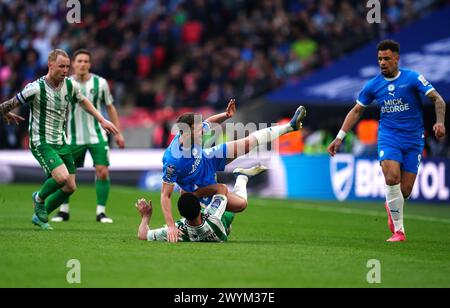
329, 209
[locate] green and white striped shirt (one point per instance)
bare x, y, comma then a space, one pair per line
212, 228
83, 128
48, 109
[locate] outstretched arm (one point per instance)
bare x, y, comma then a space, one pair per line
112, 112
145, 209
5, 109
439, 105
350, 121
222, 117
166, 205
108, 126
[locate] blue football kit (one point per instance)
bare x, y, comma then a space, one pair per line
401, 128
195, 167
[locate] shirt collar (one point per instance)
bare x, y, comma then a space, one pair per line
393, 78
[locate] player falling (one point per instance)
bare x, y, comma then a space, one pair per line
401, 131
211, 224
190, 166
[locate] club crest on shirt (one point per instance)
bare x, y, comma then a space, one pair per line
391, 88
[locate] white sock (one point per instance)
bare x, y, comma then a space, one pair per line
240, 188
64, 208
269, 134
101, 209
38, 199
395, 201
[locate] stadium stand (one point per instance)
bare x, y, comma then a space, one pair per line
176, 54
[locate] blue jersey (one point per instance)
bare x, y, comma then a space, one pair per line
195, 167
400, 102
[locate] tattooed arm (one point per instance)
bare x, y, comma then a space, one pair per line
9, 105
5, 109
439, 104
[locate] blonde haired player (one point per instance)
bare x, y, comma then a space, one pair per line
49, 98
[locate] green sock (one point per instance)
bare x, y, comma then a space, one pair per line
49, 187
55, 200
102, 189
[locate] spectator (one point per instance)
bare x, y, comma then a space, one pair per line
213, 50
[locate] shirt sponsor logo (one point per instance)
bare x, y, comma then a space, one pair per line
394, 105
195, 165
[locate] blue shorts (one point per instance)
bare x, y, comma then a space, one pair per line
407, 152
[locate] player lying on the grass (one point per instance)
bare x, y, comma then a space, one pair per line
190, 166
212, 224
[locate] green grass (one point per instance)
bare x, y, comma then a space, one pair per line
274, 243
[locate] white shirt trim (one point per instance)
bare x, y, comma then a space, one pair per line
428, 92
393, 78
359, 103
20, 98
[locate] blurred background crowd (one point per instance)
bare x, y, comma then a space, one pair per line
163, 57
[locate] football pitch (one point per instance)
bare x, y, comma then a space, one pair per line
274, 243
